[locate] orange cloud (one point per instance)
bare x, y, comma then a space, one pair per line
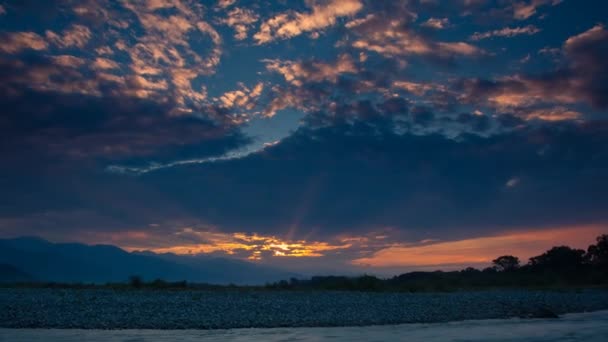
104, 63
416, 88
390, 37
240, 20
77, 35
244, 97
251, 246
299, 72
553, 114
482, 249
18, 41
526, 93
287, 25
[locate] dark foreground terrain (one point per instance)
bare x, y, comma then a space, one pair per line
187, 309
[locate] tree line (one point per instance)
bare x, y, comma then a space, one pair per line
559, 267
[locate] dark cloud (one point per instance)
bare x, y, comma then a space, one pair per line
510, 120
438, 175
348, 179
479, 123
583, 80
588, 53
422, 116
343, 178
383, 116
44, 120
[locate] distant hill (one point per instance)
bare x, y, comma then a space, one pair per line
10, 274
73, 262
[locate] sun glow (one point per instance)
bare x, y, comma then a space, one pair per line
523, 244
249, 246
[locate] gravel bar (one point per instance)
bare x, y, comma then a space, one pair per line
149, 309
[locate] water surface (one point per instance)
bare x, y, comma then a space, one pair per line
572, 327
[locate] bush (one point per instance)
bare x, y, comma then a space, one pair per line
136, 281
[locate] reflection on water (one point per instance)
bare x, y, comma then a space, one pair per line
574, 327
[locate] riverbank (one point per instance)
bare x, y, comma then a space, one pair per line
584, 327
149, 309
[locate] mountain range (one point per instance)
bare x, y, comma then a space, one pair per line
35, 259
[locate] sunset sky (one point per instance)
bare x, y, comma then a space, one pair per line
314, 135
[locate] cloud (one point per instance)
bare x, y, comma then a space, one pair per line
150, 49
114, 129
525, 9
332, 98
311, 83
13, 42
319, 179
417, 88
55, 74
283, 98
583, 80
225, 3
297, 73
119, 114
477, 122
104, 50
390, 33
436, 23
345, 91
241, 20
553, 114
45, 98
245, 245
244, 98
290, 24
314, 185
513, 182
68, 61
104, 63
484, 12
74, 75
75, 36
506, 32
165, 48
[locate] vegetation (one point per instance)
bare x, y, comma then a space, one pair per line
560, 267
506, 263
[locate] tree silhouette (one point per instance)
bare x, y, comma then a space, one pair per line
598, 254
506, 263
136, 281
562, 257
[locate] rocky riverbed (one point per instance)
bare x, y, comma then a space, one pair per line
148, 309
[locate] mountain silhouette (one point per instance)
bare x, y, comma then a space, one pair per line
74, 262
10, 274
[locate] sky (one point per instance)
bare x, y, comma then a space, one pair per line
320, 136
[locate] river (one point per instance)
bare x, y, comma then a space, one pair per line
587, 327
